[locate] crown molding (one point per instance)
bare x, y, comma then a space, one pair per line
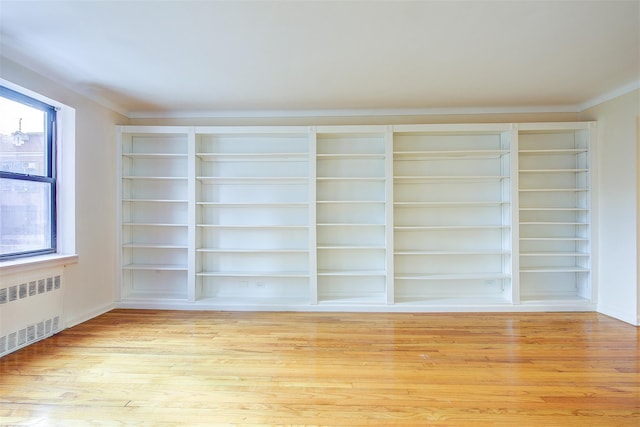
382, 112
623, 90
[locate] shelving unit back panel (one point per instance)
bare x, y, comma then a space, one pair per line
449, 167
556, 140
250, 262
332, 287
552, 230
446, 141
448, 216
258, 239
156, 256
363, 213
350, 167
350, 191
547, 285
251, 169
412, 290
255, 215
554, 180
154, 284
155, 189
554, 200
155, 235
447, 264
150, 167
347, 143
255, 290
153, 143
351, 259
150, 212
449, 239
252, 143
253, 193
468, 191
349, 234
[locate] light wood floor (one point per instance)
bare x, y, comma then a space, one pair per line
169, 368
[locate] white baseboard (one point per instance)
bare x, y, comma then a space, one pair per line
620, 314
88, 315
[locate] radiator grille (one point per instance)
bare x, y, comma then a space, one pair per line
30, 310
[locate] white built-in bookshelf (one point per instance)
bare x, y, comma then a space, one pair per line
488, 217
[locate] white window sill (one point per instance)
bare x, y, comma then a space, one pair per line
37, 262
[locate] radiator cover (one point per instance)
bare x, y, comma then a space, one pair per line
31, 308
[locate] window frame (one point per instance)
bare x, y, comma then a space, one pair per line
50, 169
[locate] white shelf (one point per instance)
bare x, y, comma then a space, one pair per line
252, 226
468, 276
154, 178
555, 151
153, 201
152, 246
252, 251
253, 204
158, 267
444, 154
555, 182
265, 274
349, 156
446, 178
449, 227
478, 204
552, 223
259, 180
153, 156
559, 239
350, 178
253, 157
569, 269
425, 217
456, 252
552, 190
352, 273
350, 247
350, 202
553, 170
547, 209
151, 224
554, 254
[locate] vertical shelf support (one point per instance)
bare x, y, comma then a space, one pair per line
313, 251
192, 292
515, 217
388, 167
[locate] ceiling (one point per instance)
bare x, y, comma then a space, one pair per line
149, 58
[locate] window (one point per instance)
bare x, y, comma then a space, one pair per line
27, 176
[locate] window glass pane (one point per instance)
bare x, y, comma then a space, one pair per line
23, 146
25, 216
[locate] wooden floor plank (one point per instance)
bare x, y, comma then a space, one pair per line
171, 368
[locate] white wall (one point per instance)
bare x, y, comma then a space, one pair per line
90, 282
89, 288
619, 286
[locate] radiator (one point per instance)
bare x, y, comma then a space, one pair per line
31, 308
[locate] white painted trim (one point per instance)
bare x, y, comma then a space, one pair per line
609, 96
22, 265
619, 313
363, 308
381, 112
69, 323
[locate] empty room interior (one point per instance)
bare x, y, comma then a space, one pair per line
339, 213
